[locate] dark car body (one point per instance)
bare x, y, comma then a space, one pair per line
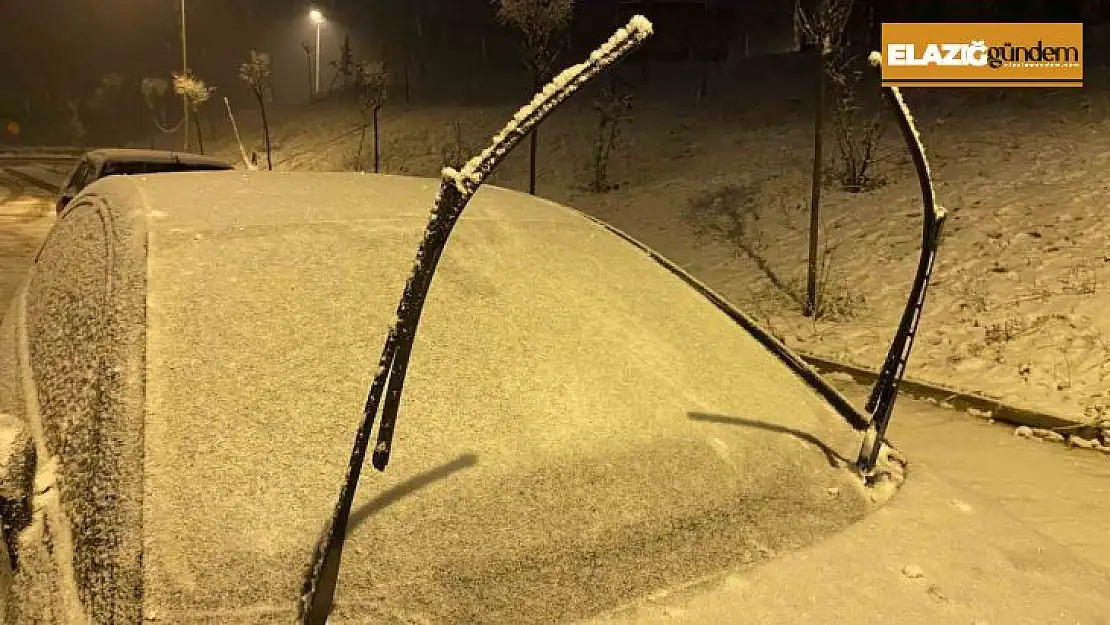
97, 164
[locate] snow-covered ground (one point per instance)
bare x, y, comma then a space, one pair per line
721, 187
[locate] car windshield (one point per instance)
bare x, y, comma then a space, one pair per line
558, 368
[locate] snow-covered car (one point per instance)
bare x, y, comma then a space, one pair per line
589, 434
97, 164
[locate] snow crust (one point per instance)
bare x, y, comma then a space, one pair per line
876, 60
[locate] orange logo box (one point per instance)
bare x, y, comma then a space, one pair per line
982, 55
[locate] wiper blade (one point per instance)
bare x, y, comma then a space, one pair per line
456, 189
881, 401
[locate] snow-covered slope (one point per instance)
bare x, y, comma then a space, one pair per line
721, 186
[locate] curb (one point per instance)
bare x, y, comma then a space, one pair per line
32, 180
958, 399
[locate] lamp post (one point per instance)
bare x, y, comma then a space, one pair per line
317, 18
184, 72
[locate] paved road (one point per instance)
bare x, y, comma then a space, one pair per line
43, 176
11, 189
1062, 491
26, 216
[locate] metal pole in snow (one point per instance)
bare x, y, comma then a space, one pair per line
317, 79
184, 72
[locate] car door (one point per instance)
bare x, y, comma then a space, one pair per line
67, 314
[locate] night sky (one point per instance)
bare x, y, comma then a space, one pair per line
54, 49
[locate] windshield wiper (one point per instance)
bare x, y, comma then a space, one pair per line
881, 402
456, 189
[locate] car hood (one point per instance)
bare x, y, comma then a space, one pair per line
935, 553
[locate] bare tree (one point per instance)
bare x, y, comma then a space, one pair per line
256, 73
857, 121
373, 81
539, 22
345, 67
613, 105
308, 52
195, 93
823, 28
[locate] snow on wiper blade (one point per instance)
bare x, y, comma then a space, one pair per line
881, 402
456, 189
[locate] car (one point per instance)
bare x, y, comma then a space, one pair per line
97, 164
589, 435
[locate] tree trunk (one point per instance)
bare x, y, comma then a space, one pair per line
810, 309
346, 71
532, 161
537, 84
377, 152
407, 78
200, 136
361, 142
311, 95
265, 130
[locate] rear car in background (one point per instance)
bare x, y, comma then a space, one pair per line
125, 162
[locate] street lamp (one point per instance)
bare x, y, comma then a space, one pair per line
317, 18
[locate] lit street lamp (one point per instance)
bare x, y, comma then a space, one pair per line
317, 18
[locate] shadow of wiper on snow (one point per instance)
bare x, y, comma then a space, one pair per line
408, 487
395, 494
835, 459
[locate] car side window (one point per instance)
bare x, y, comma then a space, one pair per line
86, 177
75, 178
69, 300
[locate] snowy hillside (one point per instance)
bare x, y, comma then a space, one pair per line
721, 187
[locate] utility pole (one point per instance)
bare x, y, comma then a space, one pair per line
318, 19
184, 72
319, 25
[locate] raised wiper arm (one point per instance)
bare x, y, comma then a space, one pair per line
456, 189
881, 402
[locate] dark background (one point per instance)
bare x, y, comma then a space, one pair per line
53, 51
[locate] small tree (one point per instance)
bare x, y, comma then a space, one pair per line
822, 28
256, 73
858, 124
345, 67
309, 54
539, 23
196, 94
613, 105
373, 82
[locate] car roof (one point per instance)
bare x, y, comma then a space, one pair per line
569, 400
131, 155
